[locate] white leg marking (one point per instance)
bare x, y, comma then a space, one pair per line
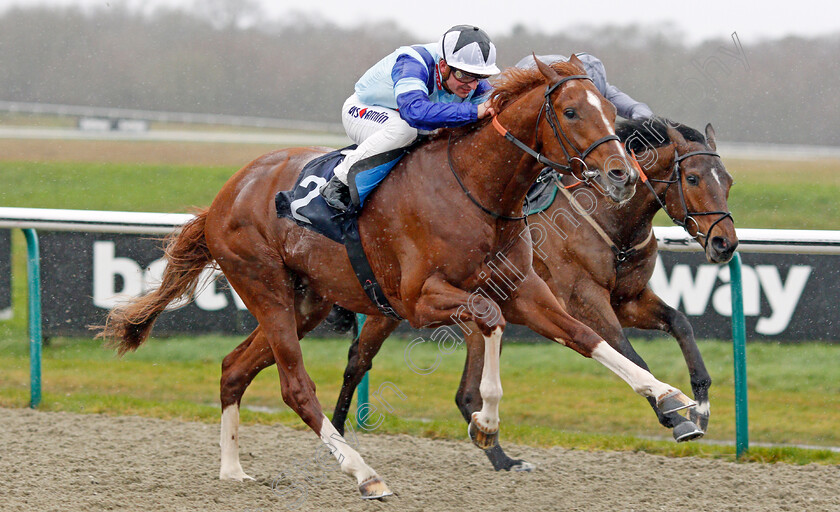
231, 469
703, 408
491, 383
349, 459
640, 380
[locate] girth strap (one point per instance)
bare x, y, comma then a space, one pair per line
361, 266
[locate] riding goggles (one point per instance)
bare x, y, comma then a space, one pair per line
466, 78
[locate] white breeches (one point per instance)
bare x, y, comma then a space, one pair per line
375, 129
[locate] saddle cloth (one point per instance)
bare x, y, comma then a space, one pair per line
305, 205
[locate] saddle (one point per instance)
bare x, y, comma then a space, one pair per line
306, 207
542, 192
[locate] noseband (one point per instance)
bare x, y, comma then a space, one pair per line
676, 177
553, 121
551, 117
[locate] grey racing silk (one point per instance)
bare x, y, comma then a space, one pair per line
626, 106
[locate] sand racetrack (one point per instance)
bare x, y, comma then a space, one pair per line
64, 461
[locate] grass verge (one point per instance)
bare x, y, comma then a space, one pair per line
553, 397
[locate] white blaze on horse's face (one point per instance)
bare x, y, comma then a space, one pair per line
595, 101
715, 174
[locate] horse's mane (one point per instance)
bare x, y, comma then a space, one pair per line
653, 132
514, 82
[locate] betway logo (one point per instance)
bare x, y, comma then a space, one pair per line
136, 281
694, 292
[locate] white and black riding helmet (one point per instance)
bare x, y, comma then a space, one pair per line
469, 49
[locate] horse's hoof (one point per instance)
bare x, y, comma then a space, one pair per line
374, 489
480, 438
699, 418
521, 465
674, 401
687, 431
239, 475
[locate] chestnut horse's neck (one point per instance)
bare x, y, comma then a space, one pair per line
498, 175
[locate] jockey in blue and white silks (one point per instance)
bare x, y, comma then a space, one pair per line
626, 106
415, 89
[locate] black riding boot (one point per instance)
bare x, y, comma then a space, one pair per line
337, 194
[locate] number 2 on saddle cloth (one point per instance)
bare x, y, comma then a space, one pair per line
304, 205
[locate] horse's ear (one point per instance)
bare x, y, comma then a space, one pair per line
710, 136
546, 70
675, 136
576, 61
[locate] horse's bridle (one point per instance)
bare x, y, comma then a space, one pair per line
559, 135
676, 177
553, 121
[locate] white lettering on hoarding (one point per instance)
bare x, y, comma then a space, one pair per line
108, 268
208, 297
694, 292
783, 299
105, 294
722, 299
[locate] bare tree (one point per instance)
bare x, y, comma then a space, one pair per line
226, 58
228, 14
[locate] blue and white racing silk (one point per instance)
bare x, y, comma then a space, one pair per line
408, 80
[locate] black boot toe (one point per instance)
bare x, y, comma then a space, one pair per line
336, 194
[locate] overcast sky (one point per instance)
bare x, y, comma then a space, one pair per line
697, 20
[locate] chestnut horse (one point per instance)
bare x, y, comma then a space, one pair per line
598, 268
436, 231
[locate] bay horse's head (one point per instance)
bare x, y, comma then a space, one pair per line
575, 128
696, 179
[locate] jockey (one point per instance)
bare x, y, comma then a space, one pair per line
626, 106
414, 90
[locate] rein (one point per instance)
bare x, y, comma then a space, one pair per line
470, 196
621, 255
676, 177
559, 135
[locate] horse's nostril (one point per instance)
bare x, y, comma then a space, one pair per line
720, 243
618, 175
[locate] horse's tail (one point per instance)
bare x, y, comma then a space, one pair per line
127, 326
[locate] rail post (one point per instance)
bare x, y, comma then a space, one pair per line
362, 396
33, 269
739, 349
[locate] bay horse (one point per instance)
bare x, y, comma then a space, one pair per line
598, 268
435, 232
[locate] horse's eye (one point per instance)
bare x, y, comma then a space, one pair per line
692, 180
569, 113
